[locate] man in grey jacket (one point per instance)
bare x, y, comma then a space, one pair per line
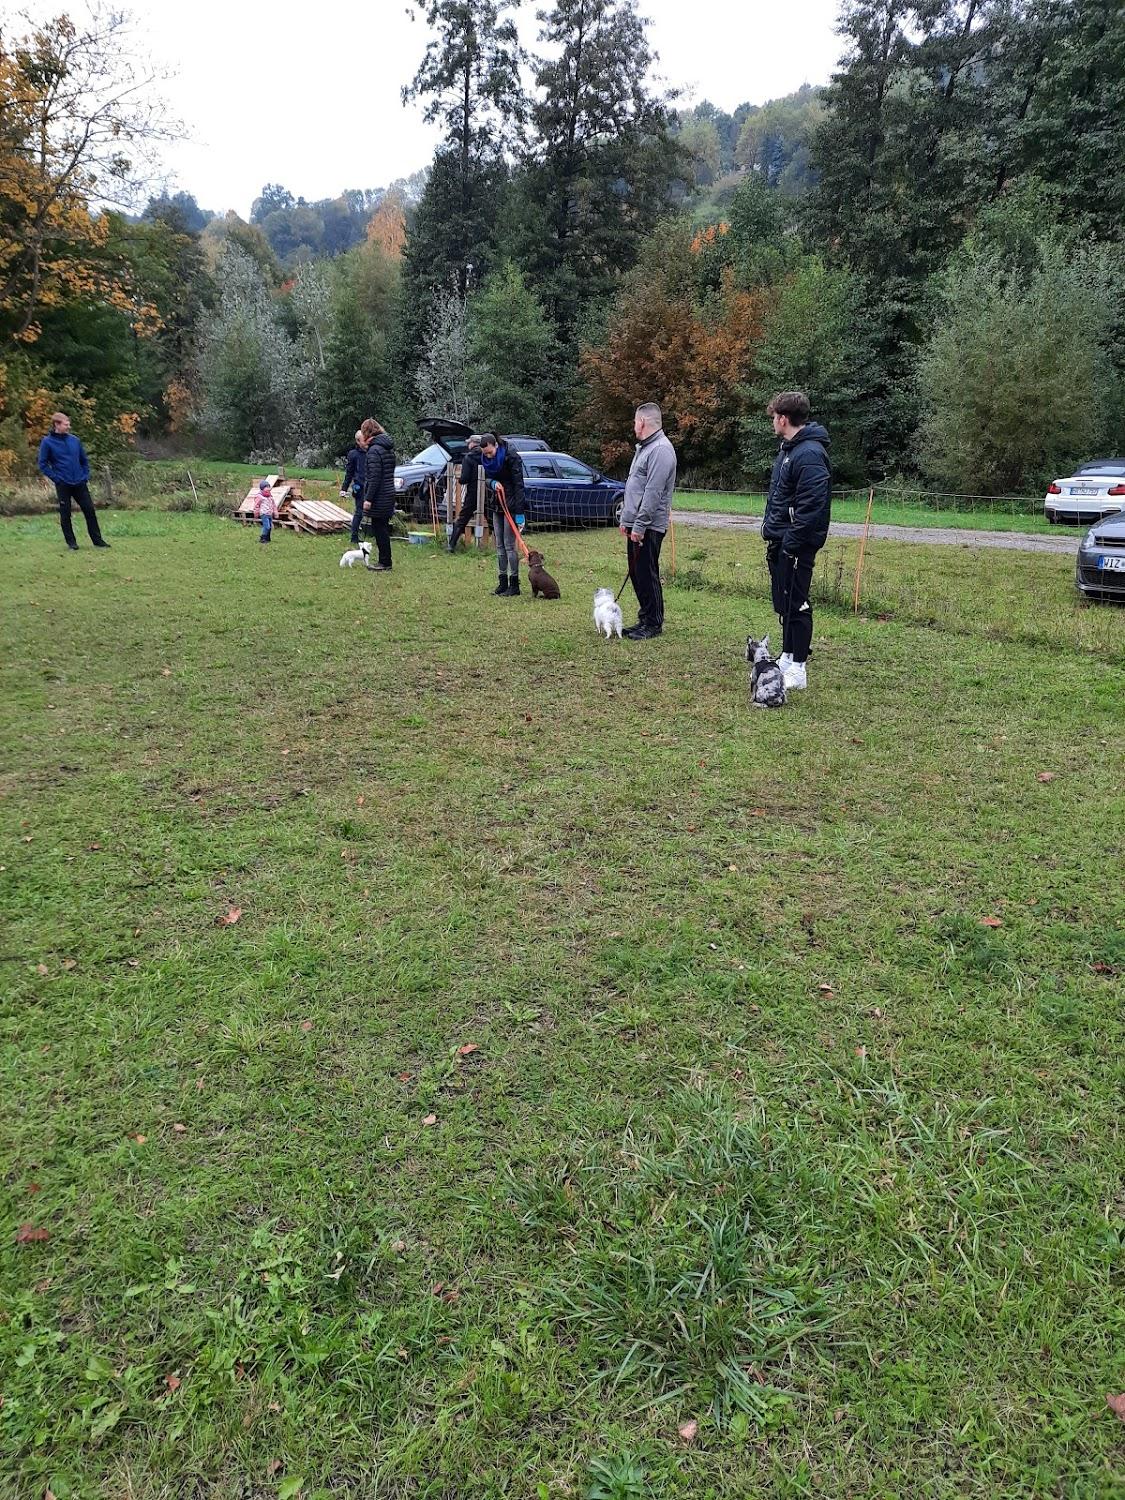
646, 515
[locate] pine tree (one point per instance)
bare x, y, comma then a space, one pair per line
511, 349
603, 161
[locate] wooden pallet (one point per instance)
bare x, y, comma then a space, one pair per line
317, 517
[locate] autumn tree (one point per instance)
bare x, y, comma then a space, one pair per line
78, 122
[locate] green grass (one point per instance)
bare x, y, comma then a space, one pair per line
763, 1129
890, 510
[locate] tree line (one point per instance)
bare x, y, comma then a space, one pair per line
929, 245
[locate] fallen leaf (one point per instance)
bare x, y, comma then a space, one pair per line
468, 1048
134, 963
93, 846
399, 1246
27, 1234
166, 671
991, 922
877, 1013
1103, 968
451, 1294
274, 1464
826, 989
199, 1085
405, 1077
48, 1495
1116, 1405
274, 1406
231, 917
430, 1120
33, 1187
42, 969
306, 1025
173, 1382
70, 963
180, 1129
437, 1289
733, 869
688, 1431
861, 1051
359, 800
1045, 776
140, 1139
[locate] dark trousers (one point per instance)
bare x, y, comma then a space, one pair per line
81, 493
790, 582
381, 514
644, 570
357, 522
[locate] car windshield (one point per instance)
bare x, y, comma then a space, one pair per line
434, 454
1115, 471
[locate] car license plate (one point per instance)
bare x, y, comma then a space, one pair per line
1112, 564
1077, 489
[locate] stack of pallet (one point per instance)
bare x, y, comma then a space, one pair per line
313, 517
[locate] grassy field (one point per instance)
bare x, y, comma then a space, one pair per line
449, 1055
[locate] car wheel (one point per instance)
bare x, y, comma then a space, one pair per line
616, 512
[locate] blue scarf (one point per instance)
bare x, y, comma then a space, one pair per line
493, 465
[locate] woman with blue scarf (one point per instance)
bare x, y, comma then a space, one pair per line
504, 467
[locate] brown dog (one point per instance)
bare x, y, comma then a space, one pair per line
542, 584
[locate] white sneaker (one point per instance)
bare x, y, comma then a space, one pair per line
794, 676
785, 660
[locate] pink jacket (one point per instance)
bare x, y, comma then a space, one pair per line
265, 505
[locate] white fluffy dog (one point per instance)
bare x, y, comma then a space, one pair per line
607, 614
362, 554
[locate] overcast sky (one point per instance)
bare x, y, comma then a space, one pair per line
309, 95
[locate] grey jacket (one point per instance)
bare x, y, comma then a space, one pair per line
648, 490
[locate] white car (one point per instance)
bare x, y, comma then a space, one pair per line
1094, 490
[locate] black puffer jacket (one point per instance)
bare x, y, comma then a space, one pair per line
379, 477
800, 496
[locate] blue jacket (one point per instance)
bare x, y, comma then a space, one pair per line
63, 459
800, 493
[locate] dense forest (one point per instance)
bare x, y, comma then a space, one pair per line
929, 244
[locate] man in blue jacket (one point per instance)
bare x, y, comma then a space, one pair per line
795, 526
63, 460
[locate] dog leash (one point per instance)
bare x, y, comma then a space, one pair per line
520, 543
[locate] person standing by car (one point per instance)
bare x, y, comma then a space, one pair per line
795, 525
379, 488
645, 517
353, 485
62, 460
505, 468
470, 468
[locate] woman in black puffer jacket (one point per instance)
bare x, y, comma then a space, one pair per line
379, 487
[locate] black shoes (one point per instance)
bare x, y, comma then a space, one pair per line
502, 587
643, 632
100, 543
513, 588
72, 546
378, 567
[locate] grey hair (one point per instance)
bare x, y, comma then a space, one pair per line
358, 435
651, 413
473, 437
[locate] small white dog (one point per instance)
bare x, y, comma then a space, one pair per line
362, 554
607, 614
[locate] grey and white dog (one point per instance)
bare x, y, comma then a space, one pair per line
767, 681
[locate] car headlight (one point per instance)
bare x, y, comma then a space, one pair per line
1088, 539
399, 481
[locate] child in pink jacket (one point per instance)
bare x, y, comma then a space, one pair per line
265, 509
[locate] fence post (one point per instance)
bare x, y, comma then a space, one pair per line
478, 524
450, 499
110, 497
862, 550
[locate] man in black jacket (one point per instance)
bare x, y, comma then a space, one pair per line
470, 467
353, 485
379, 488
795, 526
